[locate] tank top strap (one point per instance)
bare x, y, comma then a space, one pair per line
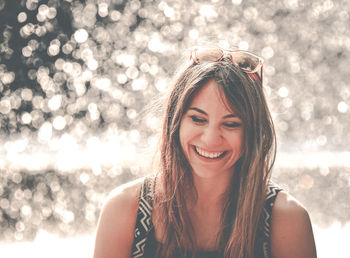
271, 194
143, 221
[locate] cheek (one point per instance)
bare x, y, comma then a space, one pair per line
237, 142
186, 134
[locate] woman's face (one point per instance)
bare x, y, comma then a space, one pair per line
211, 134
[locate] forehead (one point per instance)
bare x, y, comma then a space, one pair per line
210, 97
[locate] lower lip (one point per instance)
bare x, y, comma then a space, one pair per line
208, 159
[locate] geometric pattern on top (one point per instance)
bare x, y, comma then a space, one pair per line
144, 224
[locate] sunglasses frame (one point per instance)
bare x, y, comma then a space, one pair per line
231, 53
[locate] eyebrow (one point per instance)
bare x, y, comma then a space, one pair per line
204, 113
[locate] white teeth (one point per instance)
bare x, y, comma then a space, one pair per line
211, 155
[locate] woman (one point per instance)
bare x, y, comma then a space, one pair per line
212, 196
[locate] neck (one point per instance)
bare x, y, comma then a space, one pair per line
211, 191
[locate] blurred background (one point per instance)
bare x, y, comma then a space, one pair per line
76, 76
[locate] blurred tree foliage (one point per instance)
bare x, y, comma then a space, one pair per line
73, 72
99, 62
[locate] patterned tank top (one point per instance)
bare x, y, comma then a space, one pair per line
145, 243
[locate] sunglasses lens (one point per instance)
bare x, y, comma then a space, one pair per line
208, 55
246, 61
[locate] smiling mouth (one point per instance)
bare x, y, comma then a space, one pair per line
209, 155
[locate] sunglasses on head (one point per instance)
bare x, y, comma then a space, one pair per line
244, 60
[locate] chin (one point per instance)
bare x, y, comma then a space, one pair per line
206, 173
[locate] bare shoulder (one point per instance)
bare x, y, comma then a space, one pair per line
291, 230
127, 192
115, 230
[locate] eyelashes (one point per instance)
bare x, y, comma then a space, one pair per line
201, 121
197, 120
233, 124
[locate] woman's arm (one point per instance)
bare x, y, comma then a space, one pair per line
291, 230
115, 230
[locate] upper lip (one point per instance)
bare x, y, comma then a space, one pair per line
209, 151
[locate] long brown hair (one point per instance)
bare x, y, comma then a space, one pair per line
246, 194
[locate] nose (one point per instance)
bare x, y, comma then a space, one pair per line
211, 137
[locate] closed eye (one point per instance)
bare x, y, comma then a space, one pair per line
198, 120
232, 124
